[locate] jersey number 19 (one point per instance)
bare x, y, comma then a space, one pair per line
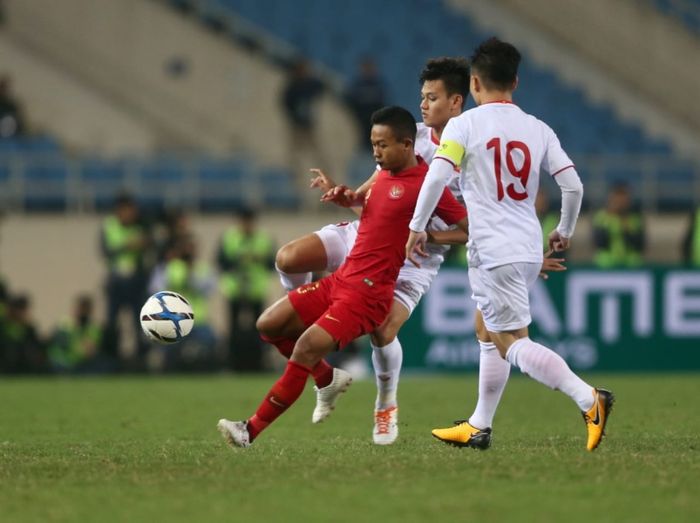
522, 174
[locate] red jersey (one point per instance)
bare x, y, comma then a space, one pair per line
380, 247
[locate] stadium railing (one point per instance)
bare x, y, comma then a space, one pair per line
58, 182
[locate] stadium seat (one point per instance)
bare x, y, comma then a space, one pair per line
46, 184
224, 183
278, 188
102, 179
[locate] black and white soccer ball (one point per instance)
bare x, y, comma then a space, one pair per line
167, 317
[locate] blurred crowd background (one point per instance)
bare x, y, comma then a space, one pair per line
165, 144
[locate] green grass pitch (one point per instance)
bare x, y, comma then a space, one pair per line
146, 449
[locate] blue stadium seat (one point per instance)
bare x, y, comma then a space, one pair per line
46, 184
224, 183
163, 182
102, 180
278, 188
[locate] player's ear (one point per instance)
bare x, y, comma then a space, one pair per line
458, 101
515, 84
476, 83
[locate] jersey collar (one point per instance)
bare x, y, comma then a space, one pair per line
499, 102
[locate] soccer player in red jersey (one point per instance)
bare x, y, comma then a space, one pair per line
323, 316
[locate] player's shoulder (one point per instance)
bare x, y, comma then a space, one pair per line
423, 132
536, 122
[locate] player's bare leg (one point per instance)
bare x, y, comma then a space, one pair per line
298, 259
280, 320
387, 356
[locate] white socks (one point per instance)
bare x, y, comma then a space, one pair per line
292, 281
387, 366
493, 376
547, 367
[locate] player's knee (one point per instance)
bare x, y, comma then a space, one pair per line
385, 334
269, 324
285, 258
304, 353
482, 334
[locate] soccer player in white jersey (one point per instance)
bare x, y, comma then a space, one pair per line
445, 84
445, 87
500, 150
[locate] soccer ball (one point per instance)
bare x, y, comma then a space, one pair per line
167, 317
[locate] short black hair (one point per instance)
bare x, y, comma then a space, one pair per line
399, 119
496, 62
454, 73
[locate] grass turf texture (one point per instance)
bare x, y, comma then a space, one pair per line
140, 449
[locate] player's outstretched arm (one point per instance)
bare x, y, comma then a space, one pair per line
321, 181
343, 196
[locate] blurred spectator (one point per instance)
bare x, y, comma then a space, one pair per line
192, 278
12, 122
299, 99
618, 232
691, 242
246, 259
21, 349
364, 95
176, 229
75, 346
548, 218
124, 242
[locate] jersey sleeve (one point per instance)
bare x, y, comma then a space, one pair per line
453, 142
448, 209
555, 160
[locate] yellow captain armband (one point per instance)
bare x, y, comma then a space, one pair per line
450, 150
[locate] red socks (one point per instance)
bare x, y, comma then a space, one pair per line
285, 346
322, 372
281, 396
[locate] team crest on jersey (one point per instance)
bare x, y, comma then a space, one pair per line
396, 191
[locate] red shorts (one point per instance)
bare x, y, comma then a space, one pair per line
342, 311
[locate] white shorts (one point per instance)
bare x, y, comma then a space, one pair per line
501, 294
338, 240
412, 284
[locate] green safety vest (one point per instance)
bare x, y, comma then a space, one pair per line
67, 348
250, 254
122, 261
695, 246
618, 253
178, 277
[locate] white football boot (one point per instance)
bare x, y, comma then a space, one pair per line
386, 426
328, 395
234, 432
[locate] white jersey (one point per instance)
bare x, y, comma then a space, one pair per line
501, 150
426, 145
